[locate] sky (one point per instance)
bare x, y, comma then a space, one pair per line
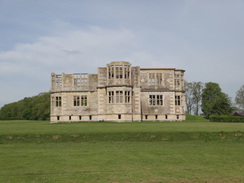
203, 37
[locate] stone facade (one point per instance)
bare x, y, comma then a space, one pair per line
120, 93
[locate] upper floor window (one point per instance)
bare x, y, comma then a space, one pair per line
111, 72
77, 79
159, 78
58, 80
119, 71
80, 79
151, 79
177, 79
155, 79
127, 71
155, 99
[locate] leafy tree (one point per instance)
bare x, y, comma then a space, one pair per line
189, 97
197, 96
31, 108
240, 98
214, 101
193, 96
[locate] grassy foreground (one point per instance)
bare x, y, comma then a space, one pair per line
36, 152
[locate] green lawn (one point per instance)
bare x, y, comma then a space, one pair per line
36, 152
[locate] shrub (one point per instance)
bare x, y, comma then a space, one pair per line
226, 118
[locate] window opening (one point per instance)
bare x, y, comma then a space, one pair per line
152, 99
127, 96
111, 72
177, 80
156, 116
77, 79
58, 80
155, 99
58, 101
76, 100
119, 71
151, 79
166, 116
119, 116
159, 99
80, 117
84, 100
146, 116
58, 118
90, 117
69, 117
128, 71
80, 100
126, 68
159, 78
111, 97
177, 100
119, 96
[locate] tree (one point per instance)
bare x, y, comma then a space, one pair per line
189, 97
33, 108
197, 96
214, 101
193, 96
240, 98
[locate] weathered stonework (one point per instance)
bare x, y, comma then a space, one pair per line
119, 92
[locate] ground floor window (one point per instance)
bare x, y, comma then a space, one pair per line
57, 101
111, 97
177, 100
155, 99
119, 96
76, 100
127, 96
80, 100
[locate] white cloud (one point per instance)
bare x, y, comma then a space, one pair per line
67, 51
71, 51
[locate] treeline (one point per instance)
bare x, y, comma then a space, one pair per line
30, 108
208, 99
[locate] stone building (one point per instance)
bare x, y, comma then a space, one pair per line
119, 92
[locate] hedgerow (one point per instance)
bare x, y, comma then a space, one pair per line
227, 118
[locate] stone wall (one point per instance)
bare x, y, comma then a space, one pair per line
119, 93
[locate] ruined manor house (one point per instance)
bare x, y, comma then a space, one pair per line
119, 92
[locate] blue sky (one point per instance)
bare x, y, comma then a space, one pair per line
206, 38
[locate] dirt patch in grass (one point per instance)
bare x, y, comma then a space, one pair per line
56, 137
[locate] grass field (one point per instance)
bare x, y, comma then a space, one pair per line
37, 152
